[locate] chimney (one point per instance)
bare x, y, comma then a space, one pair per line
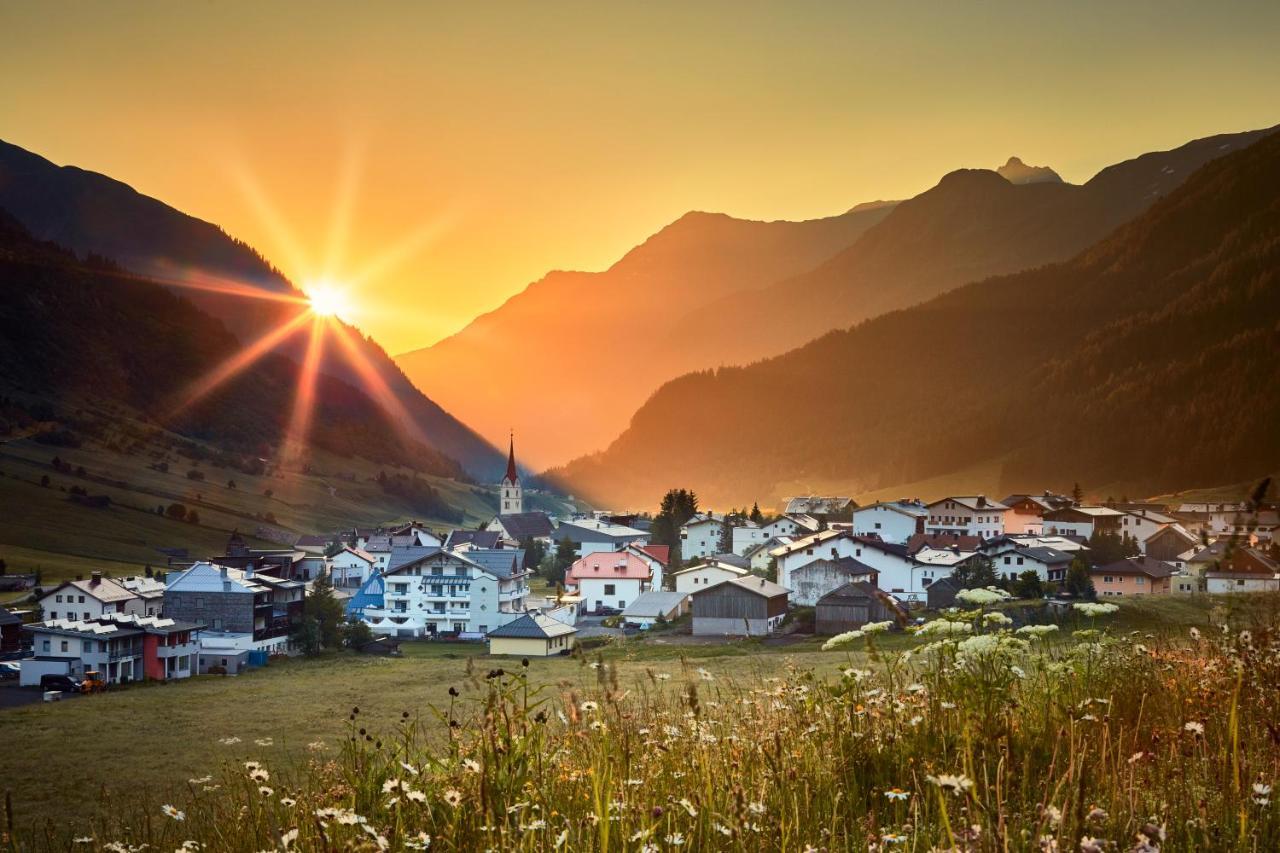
982, 500
79, 576
95, 578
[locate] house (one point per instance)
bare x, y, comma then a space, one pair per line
1170, 544
472, 538
381, 646
88, 599
430, 592
793, 526
351, 567
939, 541
590, 535
746, 536
314, 543
831, 544
608, 580
822, 507
701, 536
532, 634
258, 611
1026, 512
901, 574
941, 594
1049, 564
1206, 559
10, 633
1132, 576
656, 606
150, 590
759, 557
747, 605
706, 575
892, 521
119, 647
968, 515
849, 607
514, 529
1083, 521
1244, 570
813, 580
656, 558
1142, 524
416, 534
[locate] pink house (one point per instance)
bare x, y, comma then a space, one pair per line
609, 580
1133, 576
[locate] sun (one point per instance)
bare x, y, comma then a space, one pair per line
326, 300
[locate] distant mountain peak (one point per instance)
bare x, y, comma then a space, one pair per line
1017, 172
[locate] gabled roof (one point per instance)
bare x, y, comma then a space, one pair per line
7, 618
809, 541
712, 564
103, 589
1043, 554
313, 540
1147, 566
598, 530
533, 626
520, 525
977, 503
1151, 515
862, 591
1177, 530
608, 565
360, 553
750, 583
661, 553
655, 603
768, 544
502, 563
728, 558
844, 565
1091, 511
908, 508
882, 546
942, 540
409, 555
822, 505
702, 518
478, 538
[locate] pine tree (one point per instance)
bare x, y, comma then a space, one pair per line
1077, 494
1028, 585
975, 573
756, 515
1078, 582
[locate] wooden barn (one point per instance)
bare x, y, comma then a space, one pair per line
941, 594
750, 606
854, 605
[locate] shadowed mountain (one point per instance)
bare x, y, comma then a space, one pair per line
75, 332
1017, 172
584, 349
1146, 361
972, 225
93, 214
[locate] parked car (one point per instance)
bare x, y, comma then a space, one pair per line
9, 671
65, 683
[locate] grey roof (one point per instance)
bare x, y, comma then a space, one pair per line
655, 603
856, 590
502, 563
731, 559
7, 618
533, 626
312, 540
1044, 554
478, 538
823, 505
1148, 566
522, 524
750, 583
406, 555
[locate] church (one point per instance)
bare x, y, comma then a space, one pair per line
512, 523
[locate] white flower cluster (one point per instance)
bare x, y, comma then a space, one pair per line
943, 628
1094, 608
982, 597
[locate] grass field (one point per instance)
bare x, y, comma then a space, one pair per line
41, 527
60, 761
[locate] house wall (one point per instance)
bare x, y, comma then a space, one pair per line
721, 626
700, 540
815, 580
1262, 583
1113, 585
220, 611
530, 647
889, 524
745, 537
1167, 547
952, 517
831, 549
595, 596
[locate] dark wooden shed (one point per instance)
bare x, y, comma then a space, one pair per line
854, 605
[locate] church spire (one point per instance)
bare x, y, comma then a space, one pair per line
513, 476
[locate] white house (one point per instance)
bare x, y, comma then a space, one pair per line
701, 536
655, 557
813, 580
429, 592
351, 567
967, 515
608, 580
706, 575
747, 536
1049, 564
892, 521
761, 555
590, 535
1142, 524
794, 526
1082, 521
150, 590
1223, 582
88, 599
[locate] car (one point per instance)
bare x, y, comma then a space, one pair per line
9, 671
65, 683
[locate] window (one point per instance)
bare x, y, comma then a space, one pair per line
58, 598
217, 624
1106, 579
45, 645
86, 616
53, 614
1140, 581
64, 645
81, 601
609, 589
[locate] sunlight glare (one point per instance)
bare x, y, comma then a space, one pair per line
328, 301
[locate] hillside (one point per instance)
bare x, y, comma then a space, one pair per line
93, 214
972, 225
1161, 339
582, 350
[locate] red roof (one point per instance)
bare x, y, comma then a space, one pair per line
661, 553
608, 565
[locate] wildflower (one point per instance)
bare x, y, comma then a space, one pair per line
1195, 633
87, 839
264, 741
675, 839
172, 812
317, 746
857, 674
1261, 793
471, 765
589, 707
260, 775
1048, 844
1094, 608
722, 829
229, 741
897, 794
892, 838
288, 802
1018, 671
876, 627
996, 618
956, 784
1037, 631
841, 640
414, 796
453, 797
943, 627
756, 808
562, 838
1195, 728
201, 780
265, 791
989, 595
421, 841
705, 675
663, 676
1052, 814
390, 785
1089, 844
1097, 814
288, 838
1136, 757
688, 807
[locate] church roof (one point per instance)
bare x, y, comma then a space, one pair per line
513, 476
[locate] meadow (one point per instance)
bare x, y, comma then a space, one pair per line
1143, 729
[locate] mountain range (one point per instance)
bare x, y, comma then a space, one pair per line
1148, 360
94, 215
585, 350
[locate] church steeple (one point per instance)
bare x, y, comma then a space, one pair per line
512, 499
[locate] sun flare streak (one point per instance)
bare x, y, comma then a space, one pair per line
304, 402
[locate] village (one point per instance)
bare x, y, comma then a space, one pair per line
821, 566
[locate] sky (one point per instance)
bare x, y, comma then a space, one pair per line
431, 160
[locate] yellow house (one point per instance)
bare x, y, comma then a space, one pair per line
532, 635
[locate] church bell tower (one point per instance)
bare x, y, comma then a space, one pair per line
512, 494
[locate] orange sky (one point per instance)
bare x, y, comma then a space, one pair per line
475, 149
